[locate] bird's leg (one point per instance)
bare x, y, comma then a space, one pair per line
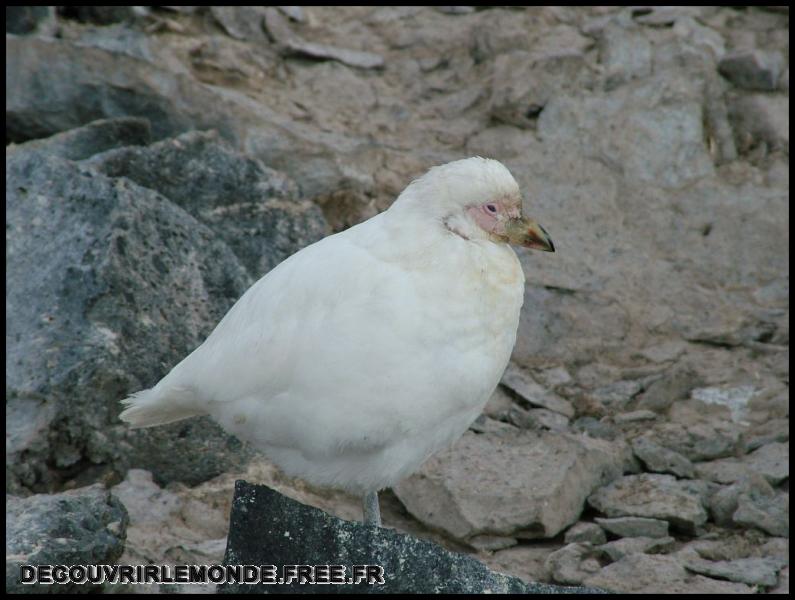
372, 512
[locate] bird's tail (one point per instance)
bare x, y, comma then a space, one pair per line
158, 406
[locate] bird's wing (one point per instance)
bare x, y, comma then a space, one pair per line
307, 325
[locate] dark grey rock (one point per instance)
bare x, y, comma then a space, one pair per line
21, 20
109, 286
100, 15
753, 69
55, 85
78, 527
96, 137
268, 528
254, 209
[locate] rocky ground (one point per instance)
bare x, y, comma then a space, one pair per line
159, 160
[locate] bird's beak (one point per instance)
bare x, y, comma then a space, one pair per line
523, 231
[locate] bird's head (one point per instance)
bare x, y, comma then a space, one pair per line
476, 199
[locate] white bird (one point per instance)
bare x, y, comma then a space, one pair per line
357, 358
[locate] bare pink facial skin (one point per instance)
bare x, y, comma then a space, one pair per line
492, 217
506, 223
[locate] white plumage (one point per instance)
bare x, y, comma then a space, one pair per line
357, 358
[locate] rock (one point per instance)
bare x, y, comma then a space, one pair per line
735, 399
22, 20
491, 543
100, 15
539, 500
770, 461
570, 564
96, 137
618, 549
554, 377
499, 404
268, 528
768, 512
723, 503
783, 582
657, 16
294, 13
292, 45
525, 561
254, 209
99, 270
484, 424
664, 352
653, 496
71, 84
759, 121
642, 573
723, 470
751, 571
699, 441
526, 388
240, 22
172, 102
635, 527
635, 416
617, 395
498, 32
523, 82
629, 118
78, 527
119, 39
178, 525
584, 532
625, 55
773, 430
597, 429
455, 10
661, 460
753, 69
672, 386
691, 30
548, 419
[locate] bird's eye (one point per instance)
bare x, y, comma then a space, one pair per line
492, 208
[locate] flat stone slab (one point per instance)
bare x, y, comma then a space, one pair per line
267, 528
